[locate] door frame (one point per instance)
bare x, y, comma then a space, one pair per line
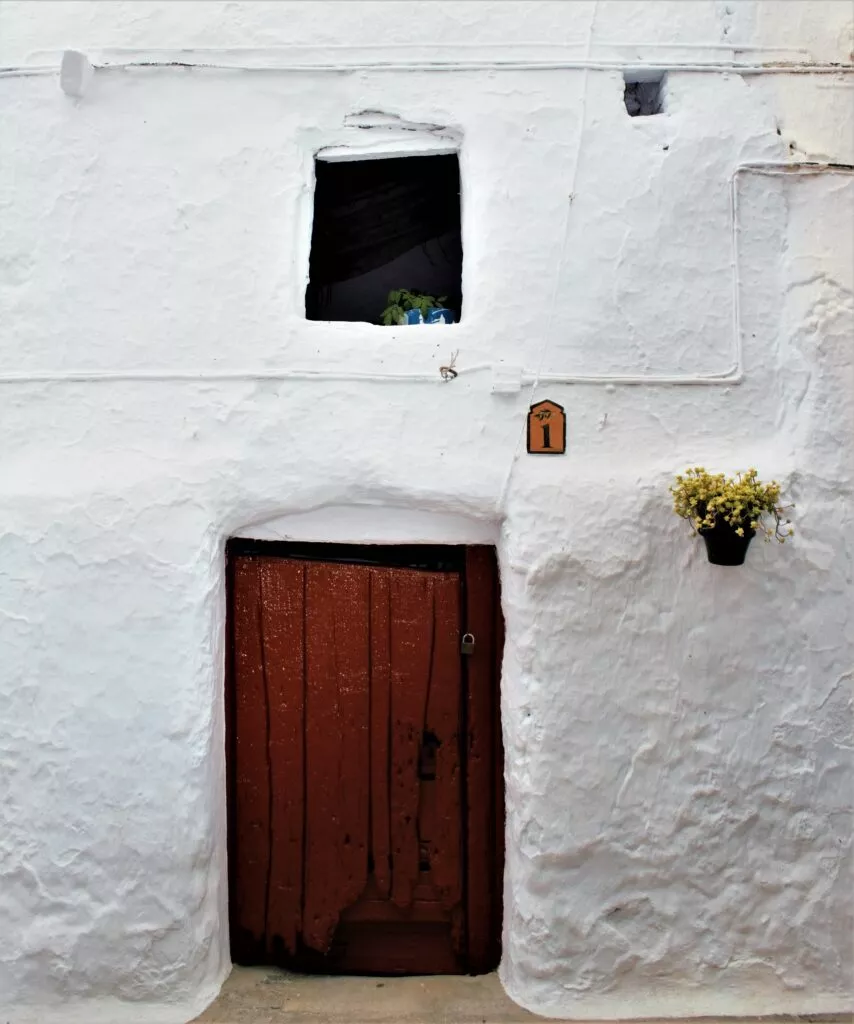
483, 772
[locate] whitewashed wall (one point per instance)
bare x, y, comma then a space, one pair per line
678, 735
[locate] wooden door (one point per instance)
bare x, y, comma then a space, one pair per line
364, 760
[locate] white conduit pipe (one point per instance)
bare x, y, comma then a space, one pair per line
733, 375
282, 51
190, 60
204, 376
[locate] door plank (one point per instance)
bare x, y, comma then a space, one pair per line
337, 754
443, 831
352, 639
411, 596
480, 668
252, 766
281, 616
380, 729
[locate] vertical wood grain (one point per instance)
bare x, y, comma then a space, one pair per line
380, 729
411, 652
281, 618
336, 736
251, 768
443, 832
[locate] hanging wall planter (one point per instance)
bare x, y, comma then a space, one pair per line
727, 511
724, 546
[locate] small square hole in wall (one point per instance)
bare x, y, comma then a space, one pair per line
644, 93
382, 225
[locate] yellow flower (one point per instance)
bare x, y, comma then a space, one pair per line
741, 501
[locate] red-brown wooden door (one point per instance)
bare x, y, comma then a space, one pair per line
364, 760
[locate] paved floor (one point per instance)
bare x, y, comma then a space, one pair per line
264, 995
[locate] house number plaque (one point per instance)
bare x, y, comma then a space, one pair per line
546, 429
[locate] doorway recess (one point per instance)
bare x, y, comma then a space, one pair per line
364, 760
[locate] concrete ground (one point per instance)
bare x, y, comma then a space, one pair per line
265, 995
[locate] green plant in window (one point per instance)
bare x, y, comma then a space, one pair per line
402, 300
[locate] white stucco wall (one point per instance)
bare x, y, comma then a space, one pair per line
678, 736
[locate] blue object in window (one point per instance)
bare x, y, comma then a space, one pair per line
435, 315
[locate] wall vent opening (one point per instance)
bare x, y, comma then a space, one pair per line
381, 225
644, 93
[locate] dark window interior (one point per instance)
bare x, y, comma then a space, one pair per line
440, 558
381, 225
644, 98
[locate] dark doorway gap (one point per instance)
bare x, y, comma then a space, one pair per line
430, 557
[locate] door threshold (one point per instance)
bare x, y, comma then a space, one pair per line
268, 995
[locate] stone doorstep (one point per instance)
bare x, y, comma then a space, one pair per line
262, 995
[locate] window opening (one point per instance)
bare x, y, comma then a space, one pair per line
381, 226
644, 96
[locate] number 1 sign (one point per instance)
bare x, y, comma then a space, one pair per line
546, 429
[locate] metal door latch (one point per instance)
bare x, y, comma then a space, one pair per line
430, 743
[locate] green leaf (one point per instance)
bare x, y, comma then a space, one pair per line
402, 300
392, 315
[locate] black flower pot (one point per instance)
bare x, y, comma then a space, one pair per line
724, 546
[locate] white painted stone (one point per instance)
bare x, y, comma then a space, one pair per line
678, 735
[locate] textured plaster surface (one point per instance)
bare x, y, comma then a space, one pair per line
678, 736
